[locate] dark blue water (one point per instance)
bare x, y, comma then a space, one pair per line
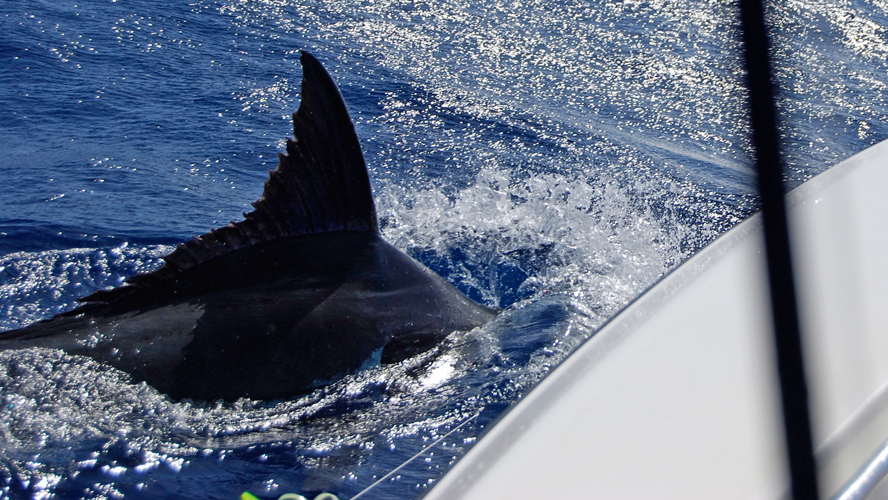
550, 158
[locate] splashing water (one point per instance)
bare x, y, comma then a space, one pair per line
553, 160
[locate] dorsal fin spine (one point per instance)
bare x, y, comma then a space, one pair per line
199, 249
232, 236
301, 222
312, 194
309, 195
304, 187
274, 192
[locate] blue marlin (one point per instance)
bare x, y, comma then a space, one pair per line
301, 292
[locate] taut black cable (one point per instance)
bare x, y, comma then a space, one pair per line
793, 390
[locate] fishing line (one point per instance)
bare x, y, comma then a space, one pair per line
414, 457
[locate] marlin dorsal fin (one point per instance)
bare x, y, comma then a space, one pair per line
320, 185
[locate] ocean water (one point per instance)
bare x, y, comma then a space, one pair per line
553, 159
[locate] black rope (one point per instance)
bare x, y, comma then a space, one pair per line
794, 394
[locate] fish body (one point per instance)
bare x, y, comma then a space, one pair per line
300, 293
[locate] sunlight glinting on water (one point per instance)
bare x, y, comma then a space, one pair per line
554, 160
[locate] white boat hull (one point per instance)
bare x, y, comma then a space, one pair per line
677, 397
